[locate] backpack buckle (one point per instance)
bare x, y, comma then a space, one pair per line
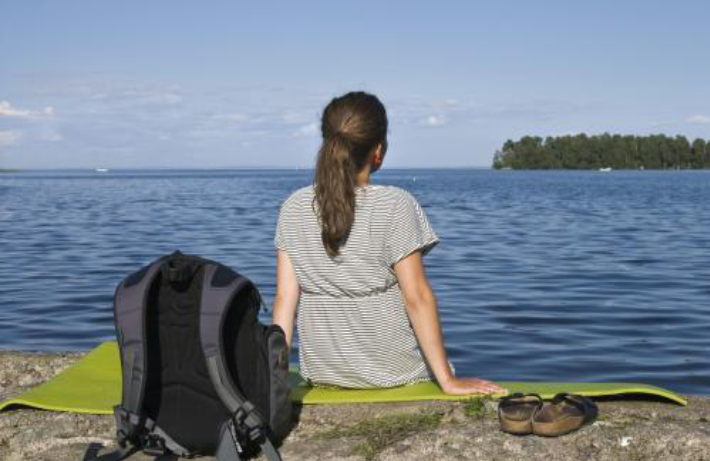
121, 437
129, 425
236, 435
256, 434
250, 432
154, 445
240, 415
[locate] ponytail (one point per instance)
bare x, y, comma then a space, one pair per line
352, 125
335, 192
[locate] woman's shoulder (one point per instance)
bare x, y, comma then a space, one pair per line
298, 196
383, 193
395, 194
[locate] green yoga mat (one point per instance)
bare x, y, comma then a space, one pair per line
93, 385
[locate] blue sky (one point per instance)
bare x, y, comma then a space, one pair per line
134, 84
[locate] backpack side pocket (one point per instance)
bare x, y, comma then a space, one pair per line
280, 406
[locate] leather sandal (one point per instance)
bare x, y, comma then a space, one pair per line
564, 414
516, 411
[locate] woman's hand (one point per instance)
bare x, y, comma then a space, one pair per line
465, 386
288, 293
423, 314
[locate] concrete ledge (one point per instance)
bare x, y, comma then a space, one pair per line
625, 430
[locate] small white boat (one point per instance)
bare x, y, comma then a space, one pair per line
101, 170
605, 169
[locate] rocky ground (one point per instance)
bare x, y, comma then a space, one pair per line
625, 429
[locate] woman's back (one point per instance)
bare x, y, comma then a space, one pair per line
352, 322
349, 260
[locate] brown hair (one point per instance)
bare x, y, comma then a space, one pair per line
352, 126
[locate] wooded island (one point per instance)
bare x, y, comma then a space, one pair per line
580, 151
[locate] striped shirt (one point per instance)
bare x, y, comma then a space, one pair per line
352, 324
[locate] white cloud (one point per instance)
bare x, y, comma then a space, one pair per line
702, 119
52, 136
233, 117
9, 138
435, 121
7, 110
307, 130
149, 95
171, 98
296, 117
208, 132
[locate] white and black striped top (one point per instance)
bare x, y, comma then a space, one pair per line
352, 324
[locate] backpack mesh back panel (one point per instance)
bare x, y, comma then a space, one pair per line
179, 395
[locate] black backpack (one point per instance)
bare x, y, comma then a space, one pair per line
201, 374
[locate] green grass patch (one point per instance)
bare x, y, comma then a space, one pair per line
379, 433
477, 407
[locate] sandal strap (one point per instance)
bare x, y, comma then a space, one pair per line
508, 399
581, 402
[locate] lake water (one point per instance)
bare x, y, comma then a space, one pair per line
583, 276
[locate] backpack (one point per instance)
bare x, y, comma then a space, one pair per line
201, 375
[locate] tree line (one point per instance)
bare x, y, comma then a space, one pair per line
580, 151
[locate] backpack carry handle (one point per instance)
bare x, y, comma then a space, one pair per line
179, 269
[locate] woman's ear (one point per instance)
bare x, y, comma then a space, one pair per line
378, 155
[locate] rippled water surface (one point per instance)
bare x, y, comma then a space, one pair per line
582, 276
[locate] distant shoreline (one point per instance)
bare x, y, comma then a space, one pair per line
604, 152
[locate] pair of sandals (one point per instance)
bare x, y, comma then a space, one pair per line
523, 414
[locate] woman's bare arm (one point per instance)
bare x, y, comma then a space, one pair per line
287, 294
424, 315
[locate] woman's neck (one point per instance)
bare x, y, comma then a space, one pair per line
363, 177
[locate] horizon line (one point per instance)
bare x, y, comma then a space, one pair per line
295, 168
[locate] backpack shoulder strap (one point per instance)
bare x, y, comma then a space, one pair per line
129, 307
213, 307
216, 299
129, 312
